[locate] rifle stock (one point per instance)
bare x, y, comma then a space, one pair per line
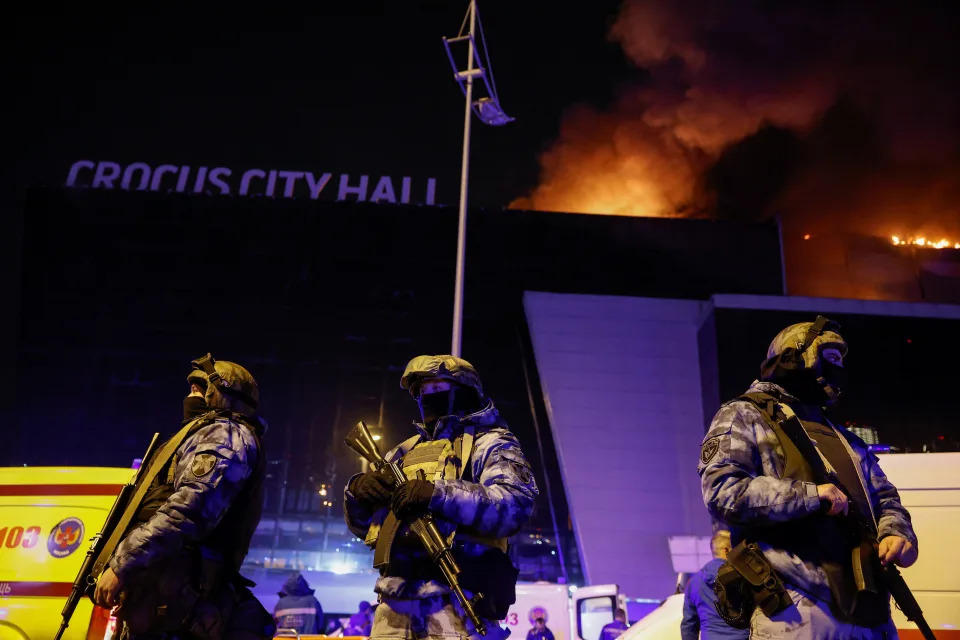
436, 546
85, 578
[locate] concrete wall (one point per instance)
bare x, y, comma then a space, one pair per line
621, 382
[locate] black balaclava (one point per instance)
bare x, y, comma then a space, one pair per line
798, 382
820, 386
194, 406
457, 401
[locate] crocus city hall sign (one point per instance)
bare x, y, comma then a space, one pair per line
140, 176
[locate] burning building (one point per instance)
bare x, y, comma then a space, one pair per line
824, 116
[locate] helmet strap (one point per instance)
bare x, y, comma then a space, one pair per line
813, 333
816, 329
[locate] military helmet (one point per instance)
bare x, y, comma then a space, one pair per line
228, 385
796, 336
198, 378
444, 367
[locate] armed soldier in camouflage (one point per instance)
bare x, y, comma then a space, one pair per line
479, 488
175, 574
755, 480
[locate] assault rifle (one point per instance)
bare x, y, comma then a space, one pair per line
423, 526
85, 581
867, 569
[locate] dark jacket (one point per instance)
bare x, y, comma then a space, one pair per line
700, 617
546, 634
298, 608
612, 630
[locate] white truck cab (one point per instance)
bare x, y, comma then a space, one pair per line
570, 613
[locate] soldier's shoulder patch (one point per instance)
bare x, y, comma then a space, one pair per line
203, 463
709, 449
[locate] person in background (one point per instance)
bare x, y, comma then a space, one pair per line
700, 617
540, 631
360, 622
612, 630
298, 608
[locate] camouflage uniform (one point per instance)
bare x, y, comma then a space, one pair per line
495, 502
208, 472
210, 469
741, 468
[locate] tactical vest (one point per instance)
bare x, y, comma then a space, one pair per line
231, 538
438, 459
825, 541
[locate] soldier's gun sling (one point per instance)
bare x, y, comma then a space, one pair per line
866, 564
423, 526
87, 576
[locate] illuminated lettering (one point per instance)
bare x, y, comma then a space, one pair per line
271, 182
201, 177
249, 175
216, 180
316, 186
75, 169
383, 191
158, 174
345, 189
144, 170
105, 174
141, 176
183, 177
289, 181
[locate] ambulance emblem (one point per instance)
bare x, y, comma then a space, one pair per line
66, 537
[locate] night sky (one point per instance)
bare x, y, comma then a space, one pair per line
834, 113
840, 117
349, 91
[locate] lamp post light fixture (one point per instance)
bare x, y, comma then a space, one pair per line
490, 112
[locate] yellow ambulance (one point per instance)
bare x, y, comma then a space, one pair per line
47, 517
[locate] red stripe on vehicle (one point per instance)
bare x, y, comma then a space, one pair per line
60, 489
35, 589
941, 634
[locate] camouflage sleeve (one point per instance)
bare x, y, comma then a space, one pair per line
892, 518
735, 488
214, 463
357, 515
501, 501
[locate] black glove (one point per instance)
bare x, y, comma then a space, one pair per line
374, 488
410, 496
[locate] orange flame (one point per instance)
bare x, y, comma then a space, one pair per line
922, 241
